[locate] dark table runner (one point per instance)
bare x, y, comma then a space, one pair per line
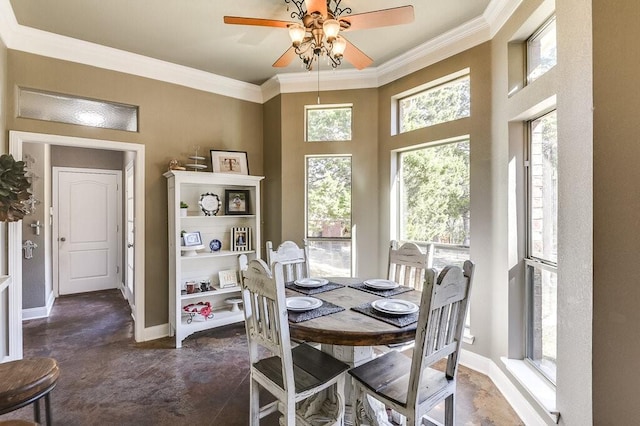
397, 320
382, 293
315, 290
327, 308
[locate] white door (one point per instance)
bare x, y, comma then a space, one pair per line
130, 230
86, 208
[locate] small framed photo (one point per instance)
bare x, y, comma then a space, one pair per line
241, 239
229, 162
191, 239
236, 201
228, 278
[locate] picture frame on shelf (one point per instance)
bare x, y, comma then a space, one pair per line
228, 278
241, 238
235, 162
191, 239
237, 201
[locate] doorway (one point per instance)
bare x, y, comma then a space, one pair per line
136, 152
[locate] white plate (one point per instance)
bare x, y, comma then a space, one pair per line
311, 282
381, 284
303, 303
394, 306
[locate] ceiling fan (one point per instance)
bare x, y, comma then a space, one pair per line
319, 31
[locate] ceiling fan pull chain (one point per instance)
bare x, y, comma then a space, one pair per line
318, 81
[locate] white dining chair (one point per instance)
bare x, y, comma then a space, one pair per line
294, 259
290, 374
409, 385
407, 264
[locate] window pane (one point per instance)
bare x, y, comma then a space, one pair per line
544, 320
447, 102
329, 215
73, 110
434, 194
328, 124
541, 51
329, 258
543, 209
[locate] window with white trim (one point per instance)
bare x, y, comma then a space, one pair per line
328, 123
542, 244
328, 215
541, 50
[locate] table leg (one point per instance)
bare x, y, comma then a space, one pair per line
368, 411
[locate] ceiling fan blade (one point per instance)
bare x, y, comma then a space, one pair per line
356, 56
286, 58
379, 18
238, 20
316, 6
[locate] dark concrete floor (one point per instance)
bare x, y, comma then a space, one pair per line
108, 379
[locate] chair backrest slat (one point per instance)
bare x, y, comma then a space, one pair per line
294, 260
267, 321
441, 322
407, 264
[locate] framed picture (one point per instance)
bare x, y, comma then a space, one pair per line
241, 239
228, 278
192, 239
236, 201
229, 162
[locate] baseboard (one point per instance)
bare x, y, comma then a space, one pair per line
155, 332
39, 312
514, 397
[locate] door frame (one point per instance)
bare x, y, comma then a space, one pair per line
55, 173
16, 139
128, 293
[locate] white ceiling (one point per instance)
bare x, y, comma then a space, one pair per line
192, 33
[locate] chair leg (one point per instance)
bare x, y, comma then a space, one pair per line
254, 403
36, 411
449, 410
47, 410
340, 399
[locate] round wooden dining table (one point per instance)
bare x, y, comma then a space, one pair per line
351, 328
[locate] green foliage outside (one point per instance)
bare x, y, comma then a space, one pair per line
328, 196
331, 124
440, 104
435, 194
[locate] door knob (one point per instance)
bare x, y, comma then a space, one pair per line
63, 239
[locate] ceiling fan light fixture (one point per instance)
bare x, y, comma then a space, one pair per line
339, 46
331, 28
297, 33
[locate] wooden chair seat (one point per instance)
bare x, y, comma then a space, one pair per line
17, 423
311, 368
26, 381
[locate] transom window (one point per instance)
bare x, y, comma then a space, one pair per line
327, 123
445, 102
328, 221
541, 50
542, 244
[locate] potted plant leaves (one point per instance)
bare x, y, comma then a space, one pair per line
183, 208
14, 189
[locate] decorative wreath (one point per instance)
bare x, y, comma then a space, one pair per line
202, 308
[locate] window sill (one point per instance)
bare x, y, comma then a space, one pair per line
543, 392
467, 337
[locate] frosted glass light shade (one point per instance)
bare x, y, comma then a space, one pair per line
331, 28
296, 32
339, 45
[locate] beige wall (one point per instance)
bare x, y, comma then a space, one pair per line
363, 149
172, 119
485, 249
616, 207
4, 137
272, 184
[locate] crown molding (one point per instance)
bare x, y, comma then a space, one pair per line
470, 34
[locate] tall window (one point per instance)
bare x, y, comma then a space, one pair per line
446, 102
327, 123
433, 204
541, 50
328, 203
542, 245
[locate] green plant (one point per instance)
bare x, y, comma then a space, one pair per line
184, 205
14, 189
